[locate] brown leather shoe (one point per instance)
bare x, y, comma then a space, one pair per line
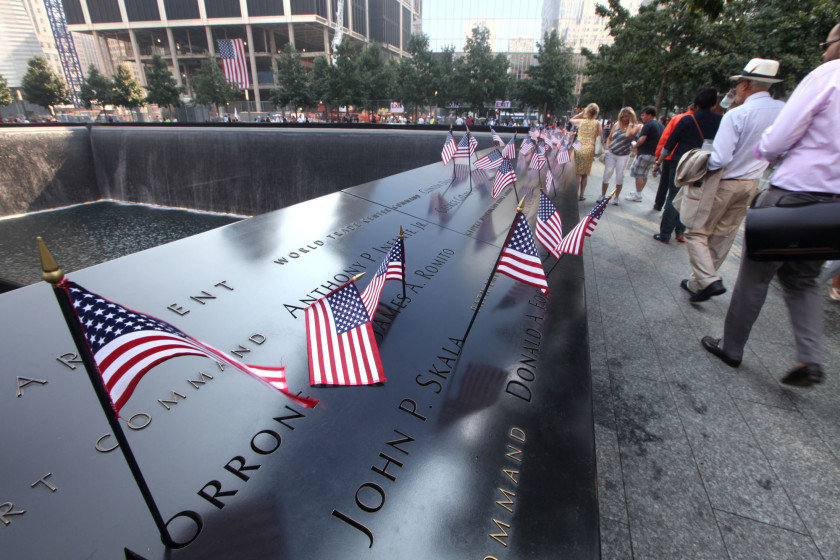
712, 345
804, 376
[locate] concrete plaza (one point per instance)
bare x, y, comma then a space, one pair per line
696, 459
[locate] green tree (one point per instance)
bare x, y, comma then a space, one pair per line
162, 89
550, 82
293, 81
42, 86
211, 86
5, 92
375, 77
96, 89
128, 92
321, 79
415, 80
445, 78
347, 81
482, 75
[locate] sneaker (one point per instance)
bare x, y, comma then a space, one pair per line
661, 238
635, 197
680, 238
614, 201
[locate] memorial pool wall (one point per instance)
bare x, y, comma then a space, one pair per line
237, 169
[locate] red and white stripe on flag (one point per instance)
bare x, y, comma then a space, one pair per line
573, 242
549, 231
234, 65
449, 148
519, 258
563, 156
339, 337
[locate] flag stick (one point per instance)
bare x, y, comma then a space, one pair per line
402, 239
493, 272
469, 158
555, 265
54, 275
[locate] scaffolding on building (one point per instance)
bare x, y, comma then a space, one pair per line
66, 48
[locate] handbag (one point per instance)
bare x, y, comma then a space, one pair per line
599, 147
799, 227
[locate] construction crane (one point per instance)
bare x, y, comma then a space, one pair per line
66, 48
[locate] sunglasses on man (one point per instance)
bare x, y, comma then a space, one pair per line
824, 46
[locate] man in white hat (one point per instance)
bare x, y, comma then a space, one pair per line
806, 131
709, 241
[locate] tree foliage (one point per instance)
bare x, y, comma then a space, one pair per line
550, 82
162, 89
293, 88
376, 77
672, 48
5, 92
482, 75
416, 77
211, 86
128, 92
42, 86
96, 89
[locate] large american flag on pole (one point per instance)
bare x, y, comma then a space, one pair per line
449, 148
232, 53
573, 242
126, 344
339, 337
490, 161
390, 269
504, 176
519, 258
549, 228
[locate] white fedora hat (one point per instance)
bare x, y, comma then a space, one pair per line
760, 70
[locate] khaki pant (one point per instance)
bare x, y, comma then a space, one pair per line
709, 243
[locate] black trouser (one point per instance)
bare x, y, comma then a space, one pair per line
662, 190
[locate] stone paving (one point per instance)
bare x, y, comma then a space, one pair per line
696, 459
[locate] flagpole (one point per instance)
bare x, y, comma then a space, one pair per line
469, 157
402, 240
453, 159
493, 272
54, 275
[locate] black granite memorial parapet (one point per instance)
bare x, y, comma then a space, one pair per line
481, 449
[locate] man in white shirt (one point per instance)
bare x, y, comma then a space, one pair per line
740, 130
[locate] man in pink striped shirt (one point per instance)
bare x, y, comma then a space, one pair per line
807, 133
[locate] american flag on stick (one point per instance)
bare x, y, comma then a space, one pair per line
464, 147
519, 258
496, 138
504, 176
126, 344
473, 141
563, 156
549, 180
576, 145
449, 148
538, 160
510, 148
339, 337
490, 161
234, 66
549, 228
527, 147
573, 242
390, 269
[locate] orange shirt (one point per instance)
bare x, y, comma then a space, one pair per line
667, 132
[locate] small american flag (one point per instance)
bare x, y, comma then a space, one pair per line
473, 142
504, 176
449, 148
390, 269
464, 147
534, 133
527, 147
510, 148
339, 337
549, 228
490, 161
563, 156
573, 242
519, 258
549, 181
576, 145
232, 53
496, 138
126, 344
538, 160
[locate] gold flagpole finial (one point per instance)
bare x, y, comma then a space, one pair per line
612, 193
402, 235
357, 277
521, 206
542, 188
49, 268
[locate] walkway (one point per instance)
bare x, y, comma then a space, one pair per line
696, 459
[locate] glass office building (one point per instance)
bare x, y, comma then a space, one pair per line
182, 31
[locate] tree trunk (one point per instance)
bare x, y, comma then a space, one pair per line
662, 85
